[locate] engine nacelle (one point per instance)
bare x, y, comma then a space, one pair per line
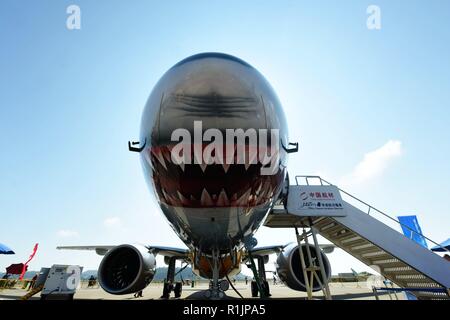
126, 269
289, 267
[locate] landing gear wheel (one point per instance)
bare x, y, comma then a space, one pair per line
224, 285
266, 288
254, 288
167, 288
178, 289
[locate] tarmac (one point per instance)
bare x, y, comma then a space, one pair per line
339, 291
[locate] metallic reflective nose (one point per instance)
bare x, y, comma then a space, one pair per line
215, 105
214, 111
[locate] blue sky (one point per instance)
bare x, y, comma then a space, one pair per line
370, 109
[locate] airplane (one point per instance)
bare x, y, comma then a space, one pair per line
352, 276
213, 147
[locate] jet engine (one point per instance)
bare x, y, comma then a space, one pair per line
289, 267
126, 269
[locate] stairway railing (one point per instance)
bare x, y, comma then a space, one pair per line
370, 207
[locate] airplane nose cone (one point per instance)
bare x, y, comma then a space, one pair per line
219, 91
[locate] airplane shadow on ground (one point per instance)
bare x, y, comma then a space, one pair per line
200, 295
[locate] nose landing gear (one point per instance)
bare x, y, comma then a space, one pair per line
217, 287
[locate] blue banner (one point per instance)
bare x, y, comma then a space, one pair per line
412, 223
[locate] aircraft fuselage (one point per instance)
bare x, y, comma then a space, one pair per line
211, 178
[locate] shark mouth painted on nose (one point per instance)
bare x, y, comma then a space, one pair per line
213, 185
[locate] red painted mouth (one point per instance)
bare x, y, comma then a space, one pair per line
214, 185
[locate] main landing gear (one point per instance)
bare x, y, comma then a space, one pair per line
170, 284
259, 286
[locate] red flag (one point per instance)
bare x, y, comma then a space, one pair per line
15, 268
25, 266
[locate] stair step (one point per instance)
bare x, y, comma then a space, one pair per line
387, 261
321, 222
402, 272
345, 235
375, 254
425, 283
324, 224
431, 296
356, 242
411, 277
365, 248
403, 268
333, 230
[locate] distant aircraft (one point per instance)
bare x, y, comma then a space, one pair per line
353, 276
213, 146
361, 276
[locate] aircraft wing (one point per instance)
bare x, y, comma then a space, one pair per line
263, 251
102, 250
168, 251
327, 248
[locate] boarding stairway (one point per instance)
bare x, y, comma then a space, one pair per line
393, 255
